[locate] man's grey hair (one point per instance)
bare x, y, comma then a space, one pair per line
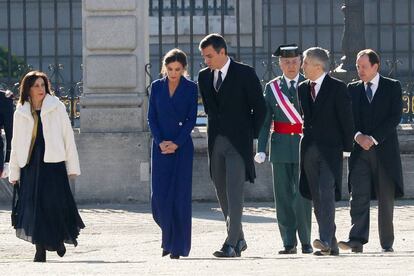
319, 55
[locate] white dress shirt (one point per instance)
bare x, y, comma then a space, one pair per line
374, 86
318, 84
223, 70
296, 79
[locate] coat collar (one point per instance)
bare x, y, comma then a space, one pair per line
49, 103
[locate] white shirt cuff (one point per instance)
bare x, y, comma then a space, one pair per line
356, 134
375, 141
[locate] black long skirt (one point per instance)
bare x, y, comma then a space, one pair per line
47, 212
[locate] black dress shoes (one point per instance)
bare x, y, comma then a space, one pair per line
289, 250
164, 253
333, 252
307, 249
322, 246
227, 251
40, 255
387, 250
61, 250
172, 256
353, 245
240, 246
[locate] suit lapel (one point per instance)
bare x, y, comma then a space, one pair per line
283, 86
168, 101
379, 94
356, 95
211, 93
360, 92
380, 91
306, 98
210, 79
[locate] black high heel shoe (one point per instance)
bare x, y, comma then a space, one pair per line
40, 255
61, 250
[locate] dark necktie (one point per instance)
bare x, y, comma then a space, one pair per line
313, 92
219, 81
292, 88
368, 91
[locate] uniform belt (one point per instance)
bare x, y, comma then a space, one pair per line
287, 128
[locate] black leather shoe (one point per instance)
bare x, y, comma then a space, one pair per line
388, 250
353, 245
333, 252
307, 249
289, 250
227, 251
164, 253
322, 246
358, 249
40, 255
172, 256
61, 250
240, 246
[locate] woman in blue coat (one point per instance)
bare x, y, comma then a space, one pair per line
172, 115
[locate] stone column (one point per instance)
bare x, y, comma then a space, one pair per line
113, 142
353, 39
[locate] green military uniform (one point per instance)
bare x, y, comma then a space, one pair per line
293, 211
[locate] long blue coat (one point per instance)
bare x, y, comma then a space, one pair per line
173, 119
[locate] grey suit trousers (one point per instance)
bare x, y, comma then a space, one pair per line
228, 173
322, 186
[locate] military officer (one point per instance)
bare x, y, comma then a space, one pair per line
293, 211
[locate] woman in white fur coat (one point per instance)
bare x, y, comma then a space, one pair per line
43, 157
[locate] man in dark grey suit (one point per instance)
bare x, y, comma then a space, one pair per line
235, 107
327, 133
375, 163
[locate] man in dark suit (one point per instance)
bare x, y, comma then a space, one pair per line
6, 123
235, 107
375, 163
327, 133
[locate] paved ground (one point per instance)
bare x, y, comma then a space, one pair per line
124, 240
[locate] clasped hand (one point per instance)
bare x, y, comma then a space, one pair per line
365, 141
168, 147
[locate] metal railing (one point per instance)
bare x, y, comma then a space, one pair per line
307, 23
68, 93
184, 7
43, 35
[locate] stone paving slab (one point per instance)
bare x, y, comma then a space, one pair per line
124, 240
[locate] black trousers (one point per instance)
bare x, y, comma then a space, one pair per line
322, 186
366, 171
228, 173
